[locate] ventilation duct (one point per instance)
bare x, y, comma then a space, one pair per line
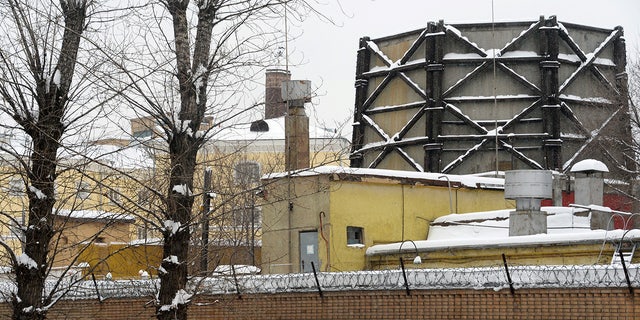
528, 188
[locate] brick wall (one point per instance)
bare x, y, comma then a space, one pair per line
549, 304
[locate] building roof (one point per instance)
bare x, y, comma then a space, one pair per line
94, 215
427, 178
490, 229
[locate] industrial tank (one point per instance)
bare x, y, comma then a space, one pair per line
471, 98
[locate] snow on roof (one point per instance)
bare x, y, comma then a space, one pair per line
94, 215
133, 156
238, 269
470, 181
565, 225
589, 165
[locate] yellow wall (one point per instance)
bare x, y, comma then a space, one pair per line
389, 210
281, 225
393, 212
122, 260
559, 254
76, 234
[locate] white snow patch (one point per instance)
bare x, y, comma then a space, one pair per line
172, 226
144, 275
565, 225
39, 194
457, 56
25, 260
93, 215
172, 259
181, 298
183, 125
56, 78
589, 165
240, 269
520, 54
469, 181
182, 189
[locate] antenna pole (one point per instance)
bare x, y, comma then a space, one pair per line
286, 38
495, 98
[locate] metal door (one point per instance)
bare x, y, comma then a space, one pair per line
309, 251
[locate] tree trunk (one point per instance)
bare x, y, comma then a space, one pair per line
183, 148
45, 130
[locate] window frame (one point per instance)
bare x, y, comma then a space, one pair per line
352, 235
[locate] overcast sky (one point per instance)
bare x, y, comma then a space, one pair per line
328, 51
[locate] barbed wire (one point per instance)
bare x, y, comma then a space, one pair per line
479, 278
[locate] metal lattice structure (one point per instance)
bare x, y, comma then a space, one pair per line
470, 98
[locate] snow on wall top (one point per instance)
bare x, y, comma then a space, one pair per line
94, 214
470, 181
565, 225
589, 165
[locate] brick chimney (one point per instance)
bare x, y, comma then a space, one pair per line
274, 106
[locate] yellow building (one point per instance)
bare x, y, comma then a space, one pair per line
123, 174
96, 199
584, 233
480, 239
329, 216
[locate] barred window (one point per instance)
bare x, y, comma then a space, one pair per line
355, 235
83, 190
16, 187
114, 196
247, 172
144, 197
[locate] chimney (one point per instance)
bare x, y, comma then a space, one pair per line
528, 188
274, 106
589, 190
296, 124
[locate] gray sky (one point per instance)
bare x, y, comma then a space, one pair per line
328, 51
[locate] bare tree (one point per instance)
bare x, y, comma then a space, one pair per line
192, 71
38, 62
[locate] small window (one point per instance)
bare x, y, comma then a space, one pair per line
247, 217
142, 232
16, 229
247, 173
144, 197
83, 190
114, 196
355, 235
16, 187
146, 133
